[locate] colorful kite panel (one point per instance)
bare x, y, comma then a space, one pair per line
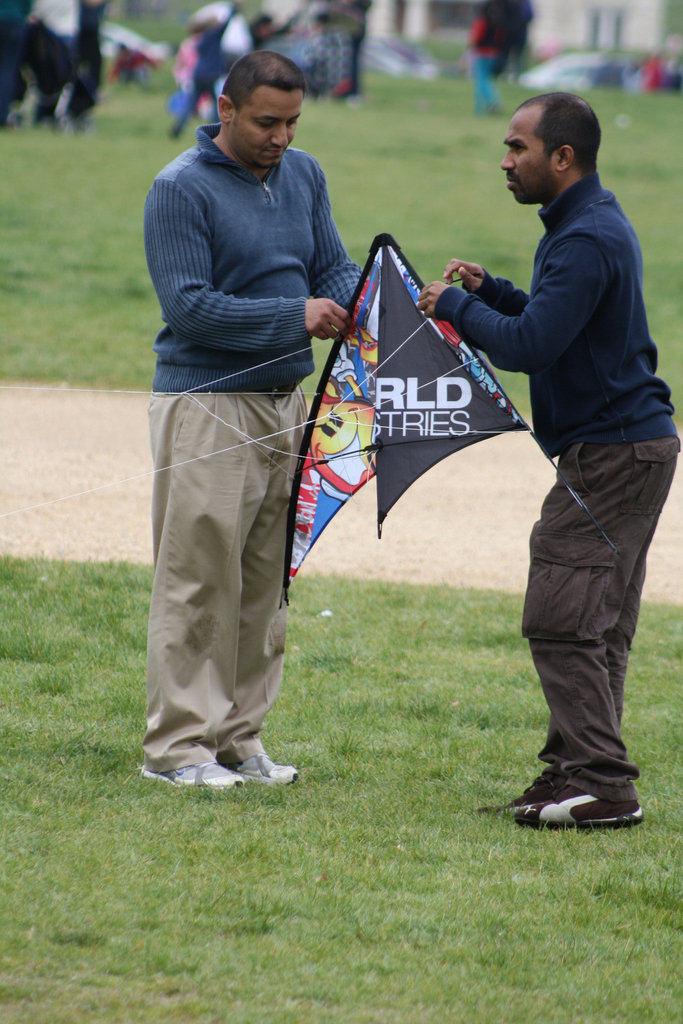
398, 393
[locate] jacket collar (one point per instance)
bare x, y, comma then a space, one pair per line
577, 197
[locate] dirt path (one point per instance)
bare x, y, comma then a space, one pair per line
465, 523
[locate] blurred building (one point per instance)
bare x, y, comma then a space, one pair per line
638, 25
559, 24
416, 19
413, 19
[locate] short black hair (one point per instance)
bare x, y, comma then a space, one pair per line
262, 67
567, 120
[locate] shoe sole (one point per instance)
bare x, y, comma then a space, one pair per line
265, 781
157, 777
623, 821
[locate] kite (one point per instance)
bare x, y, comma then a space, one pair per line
398, 394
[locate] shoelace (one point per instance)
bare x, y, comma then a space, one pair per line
540, 780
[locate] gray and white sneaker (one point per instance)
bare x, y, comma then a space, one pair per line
206, 773
260, 768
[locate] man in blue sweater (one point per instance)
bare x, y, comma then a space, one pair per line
581, 334
239, 236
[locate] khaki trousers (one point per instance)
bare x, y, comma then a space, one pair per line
217, 621
583, 600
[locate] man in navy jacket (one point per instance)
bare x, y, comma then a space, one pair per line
581, 334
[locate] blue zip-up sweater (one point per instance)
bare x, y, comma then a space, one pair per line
581, 334
233, 260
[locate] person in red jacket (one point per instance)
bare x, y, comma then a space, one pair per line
487, 43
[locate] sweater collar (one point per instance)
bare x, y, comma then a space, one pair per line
578, 196
209, 152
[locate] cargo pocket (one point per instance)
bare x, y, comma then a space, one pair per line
654, 464
568, 579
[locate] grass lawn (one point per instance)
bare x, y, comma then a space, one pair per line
414, 161
371, 892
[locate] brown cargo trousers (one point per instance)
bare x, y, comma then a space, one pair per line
217, 623
583, 600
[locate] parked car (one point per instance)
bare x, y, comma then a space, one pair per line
582, 71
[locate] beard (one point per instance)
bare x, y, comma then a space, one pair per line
523, 197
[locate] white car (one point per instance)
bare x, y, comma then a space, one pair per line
581, 71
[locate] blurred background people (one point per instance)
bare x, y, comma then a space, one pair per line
89, 55
221, 36
324, 55
488, 42
51, 41
350, 16
518, 17
265, 31
129, 65
13, 15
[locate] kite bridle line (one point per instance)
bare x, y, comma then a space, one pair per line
199, 389
334, 411
190, 394
312, 420
471, 354
577, 497
153, 472
372, 449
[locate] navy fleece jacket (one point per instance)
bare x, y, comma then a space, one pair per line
233, 260
581, 334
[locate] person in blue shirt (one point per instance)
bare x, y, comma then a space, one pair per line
248, 265
581, 334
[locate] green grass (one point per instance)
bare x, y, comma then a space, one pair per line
78, 306
371, 891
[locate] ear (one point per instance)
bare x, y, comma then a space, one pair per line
226, 109
563, 158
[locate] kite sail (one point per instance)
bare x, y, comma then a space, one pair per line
398, 394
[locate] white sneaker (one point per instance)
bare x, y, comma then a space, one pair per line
260, 768
206, 773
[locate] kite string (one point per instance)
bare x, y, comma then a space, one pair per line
114, 391
298, 426
321, 419
373, 373
162, 469
191, 394
139, 476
